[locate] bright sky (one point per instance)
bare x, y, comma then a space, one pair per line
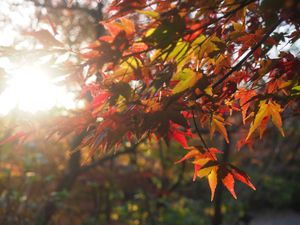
31, 89
28, 88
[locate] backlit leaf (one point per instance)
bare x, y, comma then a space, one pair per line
213, 181
151, 14
275, 111
228, 181
242, 176
261, 114
204, 172
186, 78
218, 123
266, 110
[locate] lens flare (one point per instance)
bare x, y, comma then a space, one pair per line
31, 90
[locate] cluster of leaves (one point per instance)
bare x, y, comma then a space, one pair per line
166, 66
206, 165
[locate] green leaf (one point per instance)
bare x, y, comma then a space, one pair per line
152, 14
187, 78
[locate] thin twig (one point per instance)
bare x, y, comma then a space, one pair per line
198, 131
94, 164
250, 53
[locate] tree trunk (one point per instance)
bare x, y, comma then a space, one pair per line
48, 209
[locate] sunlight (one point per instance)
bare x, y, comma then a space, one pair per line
31, 89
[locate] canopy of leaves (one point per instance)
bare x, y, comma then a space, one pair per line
166, 68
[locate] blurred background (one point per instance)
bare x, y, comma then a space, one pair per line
53, 182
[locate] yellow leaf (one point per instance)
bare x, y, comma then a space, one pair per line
151, 14
285, 84
187, 78
266, 110
238, 27
201, 161
127, 25
149, 32
217, 122
213, 181
275, 111
198, 41
190, 154
261, 114
179, 51
204, 172
208, 46
208, 90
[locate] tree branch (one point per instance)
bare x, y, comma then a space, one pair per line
198, 131
250, 53
94, 164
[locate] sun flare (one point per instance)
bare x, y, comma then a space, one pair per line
31, 89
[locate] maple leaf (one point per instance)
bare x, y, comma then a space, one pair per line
266, 110
275, 111
193, 152
218, 123
211, 47
151, 14
124, 7
206, 165
177, 59
263, 126
204, 171
241, 176
123, 24
261, 114
187, 78
244, 97
204, 160
213, 181
228, 181
179, 136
